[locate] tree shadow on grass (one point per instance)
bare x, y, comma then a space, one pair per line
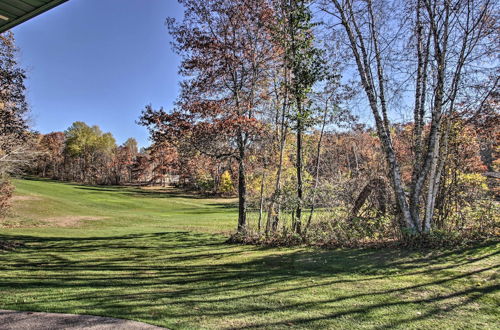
184, 279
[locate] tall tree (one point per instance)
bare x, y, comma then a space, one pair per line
15, 139
14, 134
13, 105
226, 48
304, 62
447, 40
90, 147
52, 147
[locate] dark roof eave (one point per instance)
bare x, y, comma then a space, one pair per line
31, 14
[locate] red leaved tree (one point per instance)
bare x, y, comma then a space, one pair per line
226, 49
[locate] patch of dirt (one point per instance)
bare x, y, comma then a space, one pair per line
158, 188
14, 320
70, 220
25, 198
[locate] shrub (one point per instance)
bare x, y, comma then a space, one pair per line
226, 186
6, 191
205, 183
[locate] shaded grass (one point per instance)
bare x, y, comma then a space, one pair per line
160, 259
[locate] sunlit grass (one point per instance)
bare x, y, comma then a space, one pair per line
160, 258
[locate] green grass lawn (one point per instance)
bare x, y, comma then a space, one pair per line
160, 258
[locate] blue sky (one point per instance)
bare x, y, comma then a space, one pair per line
101, 62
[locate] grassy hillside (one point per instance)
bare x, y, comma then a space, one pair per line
159, 257
117, 210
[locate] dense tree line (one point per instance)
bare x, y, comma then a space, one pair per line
85, 154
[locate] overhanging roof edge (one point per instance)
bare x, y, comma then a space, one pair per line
31, 14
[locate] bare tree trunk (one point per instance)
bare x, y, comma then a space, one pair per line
274, 206
431, 189
242, 188
354, 151
362, 58
434, 182
374, 184
316, 177
300, 188
261, 200
274, 209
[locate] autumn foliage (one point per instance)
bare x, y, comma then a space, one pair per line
330, 126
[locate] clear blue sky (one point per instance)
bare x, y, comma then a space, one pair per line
101, 62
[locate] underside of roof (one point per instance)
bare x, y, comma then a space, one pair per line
15, 12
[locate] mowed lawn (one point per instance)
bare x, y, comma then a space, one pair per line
161, 258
